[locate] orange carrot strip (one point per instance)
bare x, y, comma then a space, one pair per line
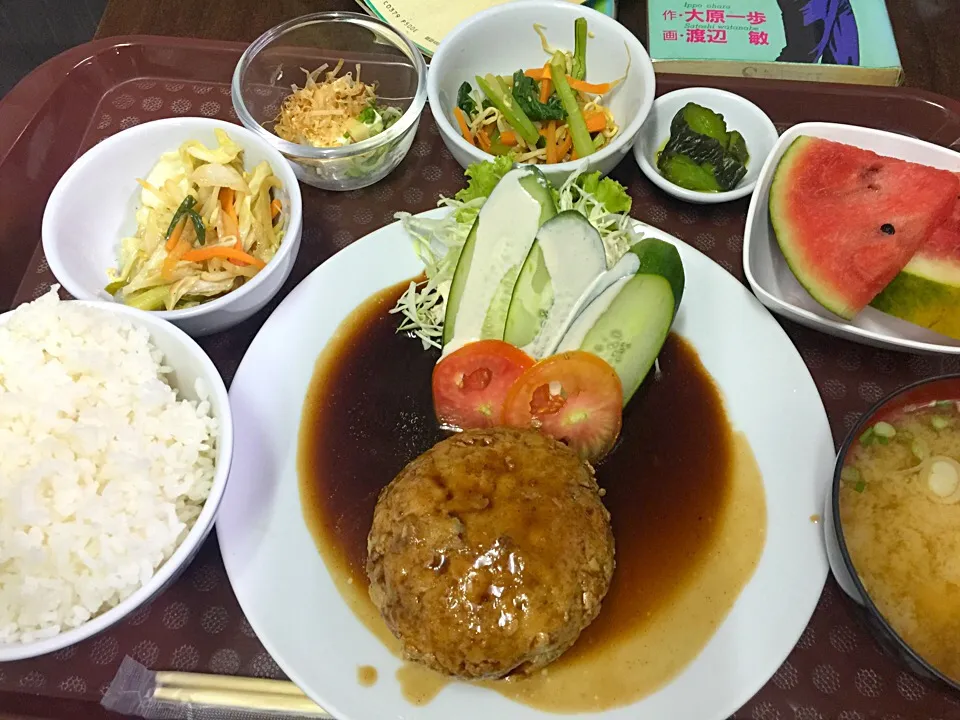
483, 138
227, 253
581, 85
231, 223
593, 88
173, 257
574, 156
564, 147
546, 86
596, 121
551, 142
464, 128
175, 235
508, 137
226, 198
275, 207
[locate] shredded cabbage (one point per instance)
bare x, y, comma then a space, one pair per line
438, 242
226, 152
605, 203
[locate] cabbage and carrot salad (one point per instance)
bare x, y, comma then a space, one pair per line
541, 115
205, 226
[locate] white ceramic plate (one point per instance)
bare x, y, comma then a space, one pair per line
290, 599
774, 283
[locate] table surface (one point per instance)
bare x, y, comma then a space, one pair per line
931, 59
925, 34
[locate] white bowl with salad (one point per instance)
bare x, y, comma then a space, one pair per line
194, 219
544, 82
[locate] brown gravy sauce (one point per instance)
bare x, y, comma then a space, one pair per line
367, 675
683, 490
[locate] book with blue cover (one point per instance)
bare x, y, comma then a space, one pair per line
820, 40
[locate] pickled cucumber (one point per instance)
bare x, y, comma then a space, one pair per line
702, 154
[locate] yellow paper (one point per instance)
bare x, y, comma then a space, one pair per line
426, 22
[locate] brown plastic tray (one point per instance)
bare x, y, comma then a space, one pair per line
837, 671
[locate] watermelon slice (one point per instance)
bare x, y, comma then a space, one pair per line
927, 290
848, 220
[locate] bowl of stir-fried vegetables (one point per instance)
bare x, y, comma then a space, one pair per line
194, 219
544, 82
339, 94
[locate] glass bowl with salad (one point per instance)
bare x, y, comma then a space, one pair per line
564, 86
339, 94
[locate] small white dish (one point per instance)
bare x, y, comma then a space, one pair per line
94, 205
773, 282
740, 114
189, 363
467, 51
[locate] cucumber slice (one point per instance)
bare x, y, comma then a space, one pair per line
588, 317
625, 269
492, 256
702, 121
661, 258
631, 332
737, 147
684, 172
628, 323
532, 299
564, 262
457, 284
537, 185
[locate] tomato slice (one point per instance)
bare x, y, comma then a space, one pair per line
470, 384
575, 397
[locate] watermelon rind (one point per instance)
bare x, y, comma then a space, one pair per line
802, 268
927, 293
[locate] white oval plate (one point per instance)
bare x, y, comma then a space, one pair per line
772, 280
290, 599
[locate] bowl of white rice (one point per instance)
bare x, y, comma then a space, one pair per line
115, 444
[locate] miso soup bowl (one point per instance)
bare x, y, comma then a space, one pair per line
943, 387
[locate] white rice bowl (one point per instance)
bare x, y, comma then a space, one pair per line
104, 467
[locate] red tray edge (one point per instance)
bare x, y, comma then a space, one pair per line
19, 106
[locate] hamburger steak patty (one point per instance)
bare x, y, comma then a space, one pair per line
490, 553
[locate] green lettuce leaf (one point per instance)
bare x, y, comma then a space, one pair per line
608, 192
483, 178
